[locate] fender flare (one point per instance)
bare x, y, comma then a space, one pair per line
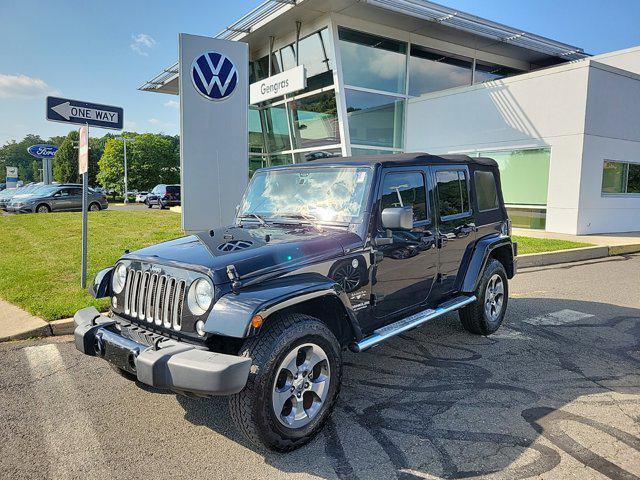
101, 286
479, 258
232, 313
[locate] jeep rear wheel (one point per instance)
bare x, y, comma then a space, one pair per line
293, 384
485, 315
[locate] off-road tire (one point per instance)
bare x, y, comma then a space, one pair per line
473, 316
252, 408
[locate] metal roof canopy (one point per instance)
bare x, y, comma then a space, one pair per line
166, 81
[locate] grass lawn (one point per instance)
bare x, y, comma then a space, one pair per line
539, 245
40, 254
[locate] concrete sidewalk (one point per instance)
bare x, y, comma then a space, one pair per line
16, 324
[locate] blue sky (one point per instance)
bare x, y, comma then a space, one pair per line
101, 51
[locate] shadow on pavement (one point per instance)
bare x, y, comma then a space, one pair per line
439, 401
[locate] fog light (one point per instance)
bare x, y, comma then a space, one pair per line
200, 328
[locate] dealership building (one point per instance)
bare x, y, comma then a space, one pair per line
386, 76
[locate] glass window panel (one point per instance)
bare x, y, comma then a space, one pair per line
373, 62
256, 162
256, 139
431, 71
522, 217
453, 193
486, 190
524, 175
633, 181
314, 120
375, 119
315, 55
403, 190
317, 155
261, 67
276, 129
613, 177
281, 159
485, 72
357, 151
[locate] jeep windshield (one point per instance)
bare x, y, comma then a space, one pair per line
308, 194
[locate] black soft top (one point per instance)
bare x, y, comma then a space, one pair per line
400, 159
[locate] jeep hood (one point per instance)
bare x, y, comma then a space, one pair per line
252, 250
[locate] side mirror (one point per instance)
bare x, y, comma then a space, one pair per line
397, 218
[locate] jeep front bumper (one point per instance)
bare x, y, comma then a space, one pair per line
169, 364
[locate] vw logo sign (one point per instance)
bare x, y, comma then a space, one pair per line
214, 76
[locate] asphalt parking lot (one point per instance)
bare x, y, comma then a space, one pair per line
554, 394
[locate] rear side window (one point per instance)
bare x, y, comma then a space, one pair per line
403, 189
173, 188
453, 192
486, 191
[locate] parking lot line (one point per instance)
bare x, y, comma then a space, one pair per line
72, 445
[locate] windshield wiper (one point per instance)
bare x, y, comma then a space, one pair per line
256, 216
310, 219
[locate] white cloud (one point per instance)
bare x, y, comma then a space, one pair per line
172, 104
21, 86
142, 43
159, 123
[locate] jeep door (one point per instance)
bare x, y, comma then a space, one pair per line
456, 230
404, 273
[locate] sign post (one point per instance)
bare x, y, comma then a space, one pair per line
83, 169
77, 112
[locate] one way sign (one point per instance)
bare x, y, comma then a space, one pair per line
82, 113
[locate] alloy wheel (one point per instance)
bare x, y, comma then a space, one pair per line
301, 385
494, 297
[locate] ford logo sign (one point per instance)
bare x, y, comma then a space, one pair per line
214, 76
42, 151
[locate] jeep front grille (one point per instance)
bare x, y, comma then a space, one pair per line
155, 298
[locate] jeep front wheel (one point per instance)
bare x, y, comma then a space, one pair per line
293, 384
485, 315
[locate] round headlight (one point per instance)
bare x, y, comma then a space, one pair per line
200, 296
119, 277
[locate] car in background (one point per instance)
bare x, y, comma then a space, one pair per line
10, 193
141, 197
3, 186
163, 196
57, 198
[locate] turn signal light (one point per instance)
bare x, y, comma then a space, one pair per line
256, 321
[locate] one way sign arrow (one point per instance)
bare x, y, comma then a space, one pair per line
84, 113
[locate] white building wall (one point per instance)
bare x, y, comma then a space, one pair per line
612, 132
545, 108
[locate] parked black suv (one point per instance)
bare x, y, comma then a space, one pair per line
323, 256
163, 196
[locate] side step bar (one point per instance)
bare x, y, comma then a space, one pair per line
393, 329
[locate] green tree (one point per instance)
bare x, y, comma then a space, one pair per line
65, 161
14, 154
151, 159
36, 165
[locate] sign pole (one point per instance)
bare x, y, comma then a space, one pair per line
83, 166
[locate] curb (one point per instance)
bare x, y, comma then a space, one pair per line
574, 255
55, 327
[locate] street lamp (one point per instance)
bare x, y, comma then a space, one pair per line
126, 180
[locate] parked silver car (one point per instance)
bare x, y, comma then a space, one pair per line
57, 198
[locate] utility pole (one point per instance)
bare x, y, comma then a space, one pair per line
126, 179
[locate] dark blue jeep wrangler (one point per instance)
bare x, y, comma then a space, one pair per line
323, 256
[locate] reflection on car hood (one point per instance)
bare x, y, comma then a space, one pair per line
253, 250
